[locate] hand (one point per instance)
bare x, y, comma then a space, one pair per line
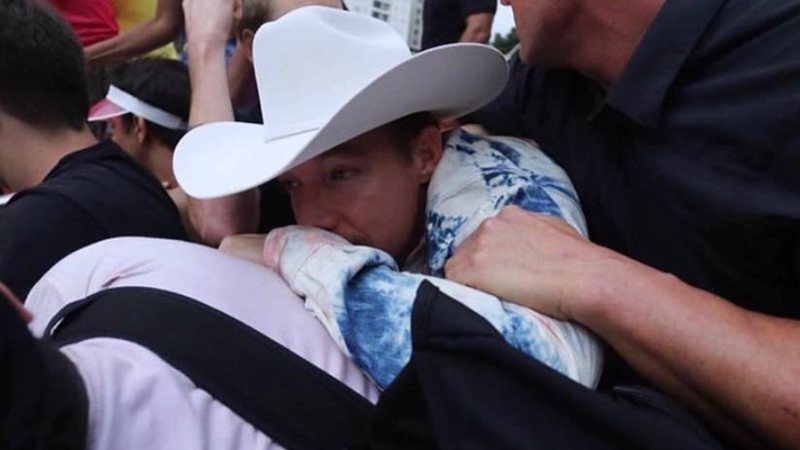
535, 260
208, 21
16, 303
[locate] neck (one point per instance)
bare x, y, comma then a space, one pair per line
34, 153
158, 158
606, 36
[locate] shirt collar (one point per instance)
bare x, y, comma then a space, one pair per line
641, 89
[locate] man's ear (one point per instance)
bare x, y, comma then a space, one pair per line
246, 39
427, 152
141, 129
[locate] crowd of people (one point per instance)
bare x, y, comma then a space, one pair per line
238, 224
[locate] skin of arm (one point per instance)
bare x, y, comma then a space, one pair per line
142, 38
15, 302
208, 25
479, 28
246, 246
737, 369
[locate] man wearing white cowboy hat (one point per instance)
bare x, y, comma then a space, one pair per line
350, 131
208, 28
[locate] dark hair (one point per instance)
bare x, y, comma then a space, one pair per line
405, 129
254, 14
163, 83
42, 74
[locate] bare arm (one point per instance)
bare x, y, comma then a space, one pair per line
24, 314
738, 369
208, 25
142, 38
479, 27
246, 246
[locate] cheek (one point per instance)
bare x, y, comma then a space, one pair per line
124, 140
393, 217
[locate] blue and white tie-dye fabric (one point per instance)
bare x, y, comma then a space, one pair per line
365, 302
479, 175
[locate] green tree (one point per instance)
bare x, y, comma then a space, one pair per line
506, 43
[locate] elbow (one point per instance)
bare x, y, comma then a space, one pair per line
216, 219
482, 36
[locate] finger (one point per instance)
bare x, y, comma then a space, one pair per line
16, 303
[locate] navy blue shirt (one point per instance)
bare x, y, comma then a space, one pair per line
92, 194
690, 163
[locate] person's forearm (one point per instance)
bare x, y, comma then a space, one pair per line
137, 41
214, 219
478, 28
479, 35
211, 101
738, 365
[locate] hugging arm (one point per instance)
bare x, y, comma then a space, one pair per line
737, 369
208, 25
366, 304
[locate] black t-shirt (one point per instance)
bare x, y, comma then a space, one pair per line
691, 162
93, 194
444, 21
275, 207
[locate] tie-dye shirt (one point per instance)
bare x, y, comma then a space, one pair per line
365, 303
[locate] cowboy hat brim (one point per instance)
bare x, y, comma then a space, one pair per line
450, 81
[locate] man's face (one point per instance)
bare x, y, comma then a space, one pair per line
125, 135
542, 27
368, 190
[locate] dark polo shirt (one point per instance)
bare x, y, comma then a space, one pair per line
691, 162
444, 21
93, 194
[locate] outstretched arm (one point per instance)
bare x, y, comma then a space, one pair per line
366, 304
208, 25
737, 368
144, 37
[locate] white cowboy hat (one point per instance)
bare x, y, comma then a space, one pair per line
324, 77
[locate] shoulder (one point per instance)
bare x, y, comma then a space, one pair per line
478, 6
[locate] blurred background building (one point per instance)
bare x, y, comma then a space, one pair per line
405, 16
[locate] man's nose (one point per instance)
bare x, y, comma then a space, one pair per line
313, 210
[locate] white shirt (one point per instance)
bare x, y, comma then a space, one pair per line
136, 400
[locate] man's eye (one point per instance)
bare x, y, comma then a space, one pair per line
289, 185
341, 174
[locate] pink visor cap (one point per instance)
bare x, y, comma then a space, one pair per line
119, 102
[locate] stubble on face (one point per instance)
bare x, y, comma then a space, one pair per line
545, 29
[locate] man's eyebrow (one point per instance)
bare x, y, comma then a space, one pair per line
339, 150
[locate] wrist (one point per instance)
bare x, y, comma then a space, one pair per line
205, 50
600, 291
613, 287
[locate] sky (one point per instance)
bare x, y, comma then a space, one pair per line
503, 20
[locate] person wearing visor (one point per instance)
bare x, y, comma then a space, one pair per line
147, 107
71, 190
